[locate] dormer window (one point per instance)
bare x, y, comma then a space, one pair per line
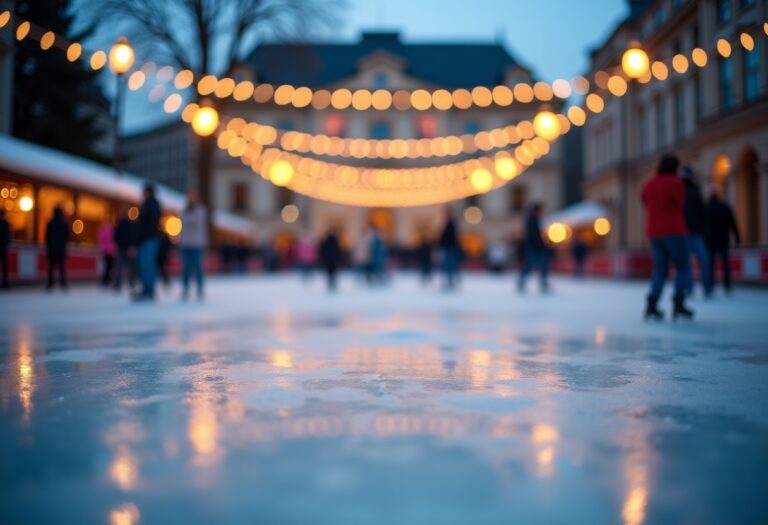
380, 80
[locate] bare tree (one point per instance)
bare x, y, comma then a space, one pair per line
210, 37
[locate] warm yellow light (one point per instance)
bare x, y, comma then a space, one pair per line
473, 215
561, 88
173, 226
302, 97
482, 96
74, 51
660, 70
22, 31
635, 62
595, 103
281, 173
481, 180
617, 86
577, 116
189, 112
724, 48
421, 99
557, 232
542, 91
184, 79
462, 99
502, 96
747, 41
77, 226
680, 63
172, 103
546, 125
47, 40
381, 99
205, 121
98, 60
207, 85
580, 85
290, 213
362, 99
602, 226
506, 168
699, 57
224, 87
121, 56
442, 99
133, 213
341, 98
136, 80
5, 16
26, 203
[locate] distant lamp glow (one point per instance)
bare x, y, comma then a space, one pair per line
205, 121
281, 173
557, 232
481, 180
635, 62
173, 226
121, 56
602, 226
546, 125
133, 213
77, 226
290, 213
26, 204
473, 215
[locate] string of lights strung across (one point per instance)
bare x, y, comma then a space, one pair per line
270, 152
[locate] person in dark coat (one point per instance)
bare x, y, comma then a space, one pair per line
695, 222
449, 245
125, 240
56, 237
330, 254
148, 243
5, 242
721, 227
163, 255
579, 252
535, 249
663, 196
424, 255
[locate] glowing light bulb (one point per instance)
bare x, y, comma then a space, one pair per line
281, 173
635, 62
546, 125
481, 180
121, 56
205, 121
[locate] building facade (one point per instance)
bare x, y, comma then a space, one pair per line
165, 154
714, 118
6, 74
384, 61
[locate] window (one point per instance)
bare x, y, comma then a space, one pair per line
240, 196
726, 83
679, 113
471, 128
517, 198
724, 13
751, 61
381, 130
335, 125
380, 80
286, 125
659, 17
661, 124
426, 127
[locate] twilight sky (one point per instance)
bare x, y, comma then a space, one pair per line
553, 37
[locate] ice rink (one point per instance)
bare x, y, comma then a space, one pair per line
274, 402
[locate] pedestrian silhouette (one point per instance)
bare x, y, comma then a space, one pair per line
330, 253
56, 238
535, 250
720, 228
148, 242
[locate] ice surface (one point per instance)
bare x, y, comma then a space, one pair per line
274, 402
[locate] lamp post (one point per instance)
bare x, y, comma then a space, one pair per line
121, 58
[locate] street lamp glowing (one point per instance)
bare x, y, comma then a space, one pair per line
557, 232
121, 56
546, 125
205, 121
635, 62
281, 173
602, 226
26, 203
481, 180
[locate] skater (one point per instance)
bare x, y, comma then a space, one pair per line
535, 249
108, 250
695, 219
720, 228
330, 253
5, 242
424, 254
193, 241
56, 238
125, 241
148, 241
579, 253
449, 245
663, 196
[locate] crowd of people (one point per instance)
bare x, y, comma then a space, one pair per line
681, 226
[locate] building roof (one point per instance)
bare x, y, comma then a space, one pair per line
449, 65
55, 167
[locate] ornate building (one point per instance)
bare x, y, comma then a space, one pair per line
715, 118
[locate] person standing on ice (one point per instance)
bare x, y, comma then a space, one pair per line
535, 249
148, 241
663, 196
449, 245
330, 254
193, 240
721, 227
56, 238
108, 250
695, 222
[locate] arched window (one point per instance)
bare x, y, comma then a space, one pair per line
381, 130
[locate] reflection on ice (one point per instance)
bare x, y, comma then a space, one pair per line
125, 514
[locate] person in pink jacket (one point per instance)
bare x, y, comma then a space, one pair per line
108, 250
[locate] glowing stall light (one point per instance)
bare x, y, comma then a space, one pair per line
281, 173
121, 56
77, 226
506, 168
557, 232
546, 125
602, 226
173, 226
26, 204
5, 17
481, 180
205, 121
635, 62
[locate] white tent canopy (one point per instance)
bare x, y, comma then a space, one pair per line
55, 167
582, 213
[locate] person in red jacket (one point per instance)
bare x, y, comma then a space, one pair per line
663, 196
